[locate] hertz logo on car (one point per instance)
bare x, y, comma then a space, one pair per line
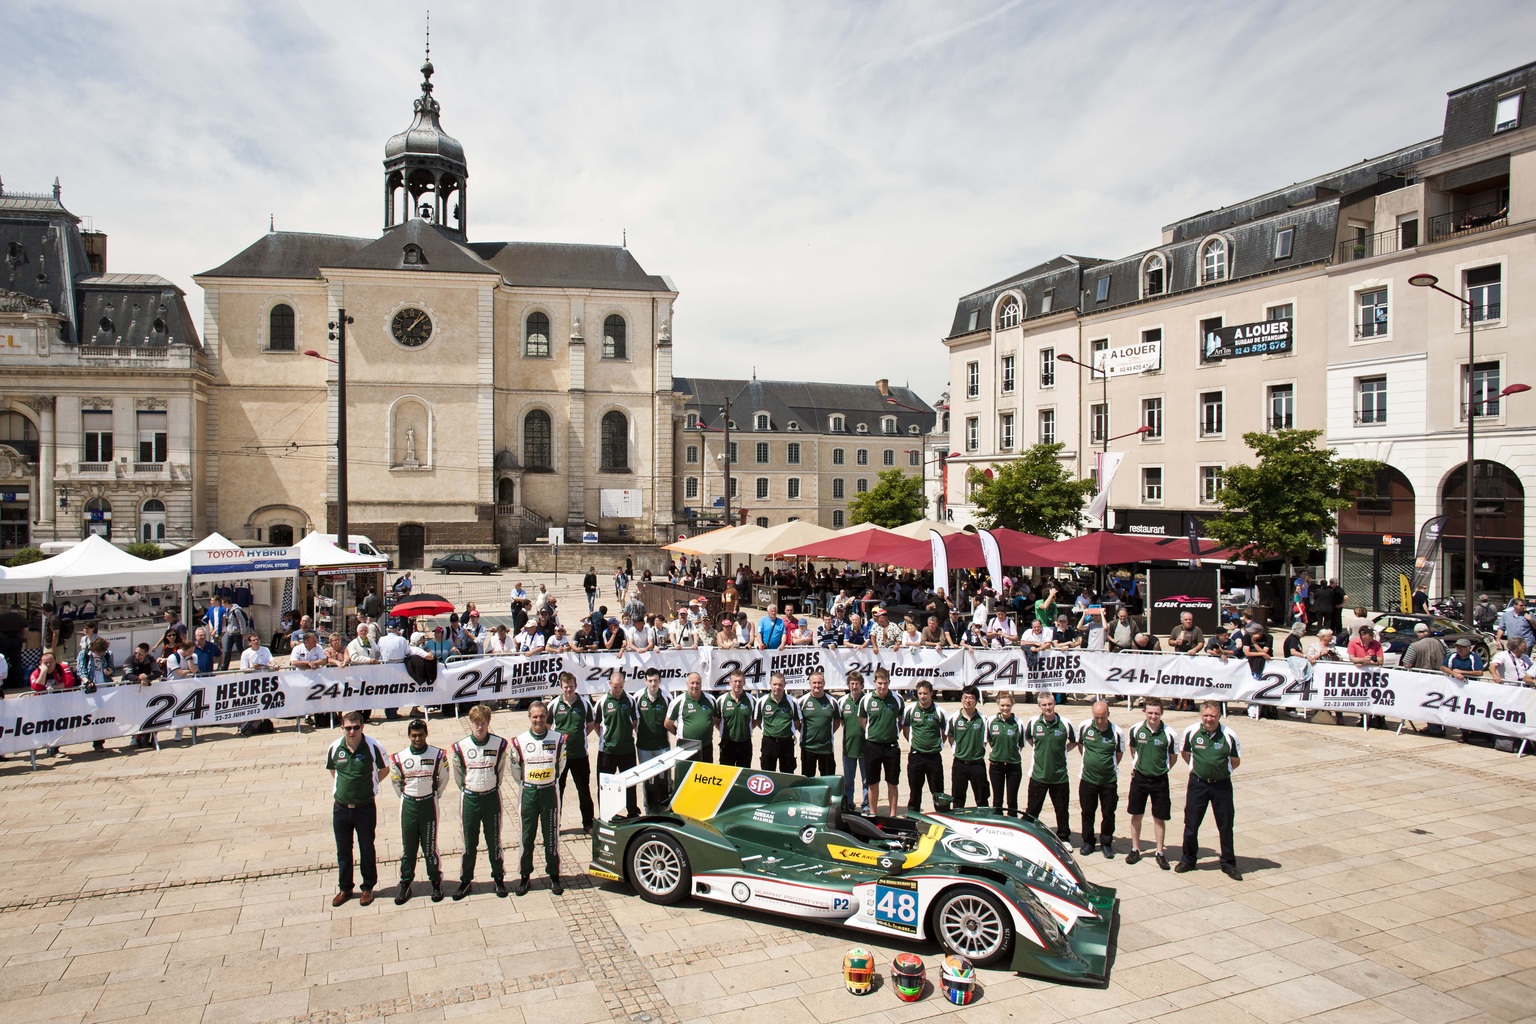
704, 790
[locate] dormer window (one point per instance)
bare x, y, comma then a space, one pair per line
1101, 290
1507, 116
839, 425
15, 255
1154, 276
791, 425
761, 422
158, 327
862, 428
914, 429
1008, 315
888, 424
691, 421
1213, 261
412, 256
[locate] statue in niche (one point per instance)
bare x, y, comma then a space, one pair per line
411, 462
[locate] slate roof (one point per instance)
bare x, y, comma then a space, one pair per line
298, 255
144, 310
439, 252
564, 265
808, 404
1061, 276
289, 255
1469, 111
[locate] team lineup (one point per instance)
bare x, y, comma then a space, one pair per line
989, 756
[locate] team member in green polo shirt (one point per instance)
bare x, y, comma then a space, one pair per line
880, 715
968, 735
1005, 738
779, 717
1051, 737
737, 713
575, 717
853, 741
818, 721
358, 764
616, 716
691, 717
651, 738
1212, 752
1154, 747
1102, 744
925, 725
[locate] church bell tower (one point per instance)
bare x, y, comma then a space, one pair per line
424, 168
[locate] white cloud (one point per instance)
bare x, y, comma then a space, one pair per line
821, 181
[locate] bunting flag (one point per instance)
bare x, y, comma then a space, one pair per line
1108, 463
994, 557
940, 563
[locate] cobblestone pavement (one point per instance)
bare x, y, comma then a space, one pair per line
1387, 880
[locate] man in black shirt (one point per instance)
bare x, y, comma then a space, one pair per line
589, 586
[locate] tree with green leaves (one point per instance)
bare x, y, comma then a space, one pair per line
895, 500
1290, 500
1034, 494
145, 550
26, 556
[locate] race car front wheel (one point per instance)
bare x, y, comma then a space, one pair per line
658, 868
971, 922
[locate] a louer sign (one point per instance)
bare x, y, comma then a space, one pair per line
1141, 357
1264, 338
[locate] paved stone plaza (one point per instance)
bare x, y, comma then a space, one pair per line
1386, 880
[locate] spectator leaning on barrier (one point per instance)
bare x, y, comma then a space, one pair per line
1186, 637
1426, 652
1511, 666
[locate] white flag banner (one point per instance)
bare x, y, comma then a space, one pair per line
940, 562
34, 721
1108, 463
994, 556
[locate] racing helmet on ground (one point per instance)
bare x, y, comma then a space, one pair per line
908, 977
859, 970
958, 980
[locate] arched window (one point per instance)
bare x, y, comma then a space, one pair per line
615, 442
18, 432
760, 422
152, 520
505, 491
1008, 314
888, 424
1154, 276
98, 517
1213, 261
280, 536
615, 345
538, 441
536, 335
838, 424
280, 328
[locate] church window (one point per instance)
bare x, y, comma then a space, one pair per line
537, 440
536, 341
615, 442
280, 328
413, 256
615, 344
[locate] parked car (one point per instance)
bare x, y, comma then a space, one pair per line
1395, 631
463, 561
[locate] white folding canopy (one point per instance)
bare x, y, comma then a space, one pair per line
92, 564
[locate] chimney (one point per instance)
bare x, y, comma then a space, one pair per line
95, 250
884, 385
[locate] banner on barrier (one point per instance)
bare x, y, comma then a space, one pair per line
35, 721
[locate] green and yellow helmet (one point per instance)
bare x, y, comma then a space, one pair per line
859, 970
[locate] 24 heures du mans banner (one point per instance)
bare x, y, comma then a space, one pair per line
34, 721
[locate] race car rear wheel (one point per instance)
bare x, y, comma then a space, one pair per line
658, 868
972, 922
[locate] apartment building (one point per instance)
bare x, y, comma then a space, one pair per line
796, 450
1293, 309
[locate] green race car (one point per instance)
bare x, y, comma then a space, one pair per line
993, 888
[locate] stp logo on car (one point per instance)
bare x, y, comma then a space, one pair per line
761, 785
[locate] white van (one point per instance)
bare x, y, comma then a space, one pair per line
360, 545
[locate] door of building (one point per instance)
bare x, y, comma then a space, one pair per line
411, 538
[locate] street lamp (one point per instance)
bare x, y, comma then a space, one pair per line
338, 334
1092, 371
1470, 569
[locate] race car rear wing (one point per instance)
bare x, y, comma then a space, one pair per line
611, 788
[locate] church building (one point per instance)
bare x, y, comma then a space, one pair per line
493, 389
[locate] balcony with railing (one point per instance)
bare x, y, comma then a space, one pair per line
1484, 217
1480, 312
93, 469
1383, 243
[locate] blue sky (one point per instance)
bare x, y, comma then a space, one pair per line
821, 181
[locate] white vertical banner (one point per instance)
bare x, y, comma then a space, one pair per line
994, 557
940, 563
1108, 463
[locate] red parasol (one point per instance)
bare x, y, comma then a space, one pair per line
421, 604
1104, 548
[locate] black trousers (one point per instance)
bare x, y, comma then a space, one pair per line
362, 820
972, 775
1100, 796
778, 754
737, 753
612, 764
1005, 775
922, 768
581, 767
816, 763
231, 643
1218, 796
1060, 796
